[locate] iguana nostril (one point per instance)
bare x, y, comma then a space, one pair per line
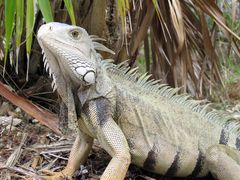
50, 28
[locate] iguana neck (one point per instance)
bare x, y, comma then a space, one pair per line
102, 87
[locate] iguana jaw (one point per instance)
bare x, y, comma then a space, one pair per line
72, 55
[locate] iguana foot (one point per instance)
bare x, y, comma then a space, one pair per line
62, 175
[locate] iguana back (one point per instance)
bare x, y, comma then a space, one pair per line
167, 133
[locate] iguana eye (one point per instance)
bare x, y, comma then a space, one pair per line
75, 34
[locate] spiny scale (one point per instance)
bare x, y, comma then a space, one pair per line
47, 66
50, 72
45, 60
122, 70
51, 75
45, 63
96, 38
54, 86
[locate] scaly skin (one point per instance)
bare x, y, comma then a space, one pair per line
135, 120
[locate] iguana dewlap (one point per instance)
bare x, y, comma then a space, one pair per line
135, 120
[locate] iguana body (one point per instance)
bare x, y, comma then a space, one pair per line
135, 120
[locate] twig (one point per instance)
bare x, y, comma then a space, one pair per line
19, 170
59, 157
13, 158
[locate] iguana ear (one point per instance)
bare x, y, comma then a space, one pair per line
101, 88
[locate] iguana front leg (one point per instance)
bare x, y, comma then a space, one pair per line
110, 136
78, 155
113, 141
223, 162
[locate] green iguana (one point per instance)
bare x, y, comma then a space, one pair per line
135, 120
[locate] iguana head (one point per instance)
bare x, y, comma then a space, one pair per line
70, 52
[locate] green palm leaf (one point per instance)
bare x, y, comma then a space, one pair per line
19, 27
9, 24
30, 18
69, 7
46, 10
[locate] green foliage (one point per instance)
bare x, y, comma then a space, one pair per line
19, 27
29, 24
14, 16
9, 24
234, 25
19, 21
30, 18
141, 63
229, 58
232, 69
69, 6
123, 7
46, 10
157, 9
